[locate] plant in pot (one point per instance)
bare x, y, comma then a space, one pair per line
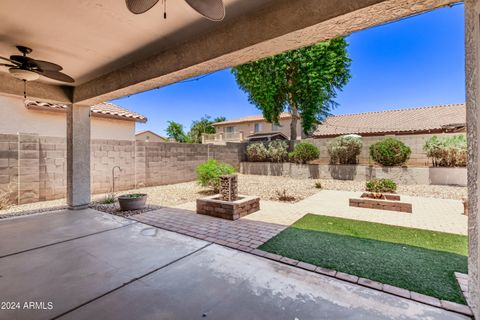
134, 201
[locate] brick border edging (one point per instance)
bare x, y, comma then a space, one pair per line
400, 292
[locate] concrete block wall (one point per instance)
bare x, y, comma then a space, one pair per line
414, 141
33, 168
52, 168
105, 154
9, 166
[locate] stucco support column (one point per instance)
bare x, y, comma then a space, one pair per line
78, 156
472, 76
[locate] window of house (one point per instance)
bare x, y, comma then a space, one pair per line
257, 127
276, 127
229, 129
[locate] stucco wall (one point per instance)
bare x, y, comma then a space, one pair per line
414, 141
249, 128
16, 118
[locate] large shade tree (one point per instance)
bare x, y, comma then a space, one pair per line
304, 81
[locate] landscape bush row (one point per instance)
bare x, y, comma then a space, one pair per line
277, 151
449, 151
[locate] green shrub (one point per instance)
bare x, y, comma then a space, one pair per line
318, 185
209, 173
447, 151
390, 152
345, 149
257, 152
381, 185
304, 152
277, 151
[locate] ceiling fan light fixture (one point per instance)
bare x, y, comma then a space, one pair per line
23, 74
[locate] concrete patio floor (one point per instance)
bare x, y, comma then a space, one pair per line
92, 265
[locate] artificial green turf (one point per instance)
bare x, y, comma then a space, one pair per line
418, 260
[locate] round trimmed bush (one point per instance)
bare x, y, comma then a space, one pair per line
209, 173
278, 151
345, 149
257, 152
390, 152
381, 185
304, 152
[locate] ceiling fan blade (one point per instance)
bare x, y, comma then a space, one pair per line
140, 6
211, 9
21, 59
47, 66
8, 65
55, 75
11, 61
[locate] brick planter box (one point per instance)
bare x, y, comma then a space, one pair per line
231, 210
391, 202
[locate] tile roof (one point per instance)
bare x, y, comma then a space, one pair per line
423, 119
256, 118
104, 109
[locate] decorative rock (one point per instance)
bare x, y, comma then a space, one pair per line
229, 187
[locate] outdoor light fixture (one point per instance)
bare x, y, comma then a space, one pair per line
24, 74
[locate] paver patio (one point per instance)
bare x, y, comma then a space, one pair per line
113, 268
428, 213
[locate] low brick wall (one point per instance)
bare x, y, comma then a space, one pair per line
33, 168
401, 175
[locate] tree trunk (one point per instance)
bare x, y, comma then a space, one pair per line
293, 108
293, 123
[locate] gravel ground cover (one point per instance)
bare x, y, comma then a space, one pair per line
266, 187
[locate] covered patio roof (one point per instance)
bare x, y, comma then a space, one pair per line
111, 52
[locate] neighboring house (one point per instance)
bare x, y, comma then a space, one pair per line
108, 121
242, 129
412, 126
149, 136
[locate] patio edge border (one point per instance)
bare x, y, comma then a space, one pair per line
396, 291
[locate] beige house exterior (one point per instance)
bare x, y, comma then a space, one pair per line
149, 136
238, 130
108, 121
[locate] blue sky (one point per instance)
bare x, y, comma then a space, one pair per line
418, 61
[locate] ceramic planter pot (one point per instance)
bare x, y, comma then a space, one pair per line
129, 202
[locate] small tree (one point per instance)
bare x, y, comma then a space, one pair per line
345, 149
204, 125
175, 131
209, 173
257, 152
304, 152
450, 151
304, 81
390, 152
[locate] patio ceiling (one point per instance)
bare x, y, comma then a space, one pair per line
111, 52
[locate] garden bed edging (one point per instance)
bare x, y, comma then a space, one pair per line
401, 175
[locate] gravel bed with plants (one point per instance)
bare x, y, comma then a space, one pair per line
266, 187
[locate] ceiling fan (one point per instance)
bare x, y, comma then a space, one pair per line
28, 69
211, 9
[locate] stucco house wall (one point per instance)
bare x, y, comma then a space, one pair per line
17, 118
248, 128
149, 136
